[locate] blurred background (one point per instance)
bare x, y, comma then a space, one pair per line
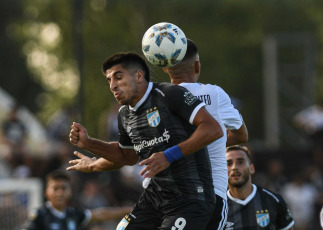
267, 55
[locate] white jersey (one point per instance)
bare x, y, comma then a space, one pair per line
218, 104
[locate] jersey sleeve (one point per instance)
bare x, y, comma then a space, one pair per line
284, 216
230, 116
182, 102
124, 139
86, 217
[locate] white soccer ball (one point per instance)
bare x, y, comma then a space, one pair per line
164, 44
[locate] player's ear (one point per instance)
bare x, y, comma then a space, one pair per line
197, 67
139, 75
252, 169
165, 70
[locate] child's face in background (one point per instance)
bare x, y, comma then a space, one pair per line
58, 192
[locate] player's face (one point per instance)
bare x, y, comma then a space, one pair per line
123, 85
58, 192
239, 168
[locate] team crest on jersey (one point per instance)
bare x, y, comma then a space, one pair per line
153, 117
262, 218
124, 223
189, 98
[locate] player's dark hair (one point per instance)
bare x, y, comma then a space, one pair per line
191, 50
128, 61
57, 175
241, 148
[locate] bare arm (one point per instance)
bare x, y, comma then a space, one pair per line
207, 131
111, 151
104, 214
238, 136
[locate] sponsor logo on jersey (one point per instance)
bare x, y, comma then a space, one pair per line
262, 218
153, 117
189, 98
147, 143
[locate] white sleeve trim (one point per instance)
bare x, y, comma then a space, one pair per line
289, 226
126, 147
87, 219
197, 108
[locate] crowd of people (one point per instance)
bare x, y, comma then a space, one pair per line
294, 198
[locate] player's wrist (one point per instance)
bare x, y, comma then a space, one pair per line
173, 153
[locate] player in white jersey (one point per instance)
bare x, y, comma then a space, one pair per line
219, 105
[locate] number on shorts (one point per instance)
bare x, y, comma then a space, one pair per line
179, 224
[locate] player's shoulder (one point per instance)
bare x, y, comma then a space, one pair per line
198, 85
268, 194
166, 88
38, 213
165, 85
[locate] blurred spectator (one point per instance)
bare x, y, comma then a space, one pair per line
91, 196
59, 125
275, 179
301, 197
109, 123
14, 130
311, 121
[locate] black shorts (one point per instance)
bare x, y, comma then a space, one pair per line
176, 214
220, 215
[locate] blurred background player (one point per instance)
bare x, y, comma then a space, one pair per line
55, 213
250, 206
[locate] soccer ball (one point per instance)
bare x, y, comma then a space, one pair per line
164, 44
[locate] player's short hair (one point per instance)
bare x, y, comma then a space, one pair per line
57, 175
191, 50
129, 61
241, 148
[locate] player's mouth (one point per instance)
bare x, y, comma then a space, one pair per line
235, 175
117, 94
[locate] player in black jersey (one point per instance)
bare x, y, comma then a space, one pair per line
163, 123
55, 213
252, 207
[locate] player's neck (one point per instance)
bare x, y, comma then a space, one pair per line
241, 193
183, 78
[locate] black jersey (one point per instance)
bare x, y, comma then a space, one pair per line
48, 218
163, 118
262, 209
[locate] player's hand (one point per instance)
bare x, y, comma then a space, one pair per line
83, 164
78, 135
156, 163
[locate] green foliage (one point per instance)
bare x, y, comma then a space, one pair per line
229, 35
